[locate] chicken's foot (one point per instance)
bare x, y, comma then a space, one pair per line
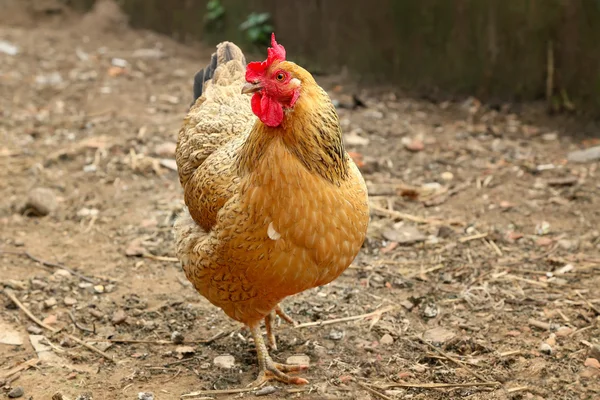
269, 324
267, 368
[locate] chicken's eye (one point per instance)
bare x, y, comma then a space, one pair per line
280, 76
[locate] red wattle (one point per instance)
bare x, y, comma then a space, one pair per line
269, 111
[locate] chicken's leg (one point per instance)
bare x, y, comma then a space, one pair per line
269, 325
267, 368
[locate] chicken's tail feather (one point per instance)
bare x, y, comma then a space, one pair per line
226, 51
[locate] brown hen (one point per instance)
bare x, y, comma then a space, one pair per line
275, 205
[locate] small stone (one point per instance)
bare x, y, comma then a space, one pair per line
373, 114
85, 396
407, 304
36, 284
543, 228
404, 235
414, 145
336, 335
544, 241
16, 392
49, 303
145, 396
353, 139
225, 361
96, 313
34, 330
67, 342
88, 212
177, 337
62, 273
386, 339
447, 176
430, 311
551, 341
299, 359
185, 350
545, 348
438, 336
445, 232
119, 317
564, 331
40, 202
50, 319
69, 301
265, 391
583, 156
99, 289
568, 245
592, 362
595, 352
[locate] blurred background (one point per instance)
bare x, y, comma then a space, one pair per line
498, 50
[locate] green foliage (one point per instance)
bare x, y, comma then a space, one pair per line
215, 14
258, 28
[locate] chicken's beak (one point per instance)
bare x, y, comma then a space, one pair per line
251, 88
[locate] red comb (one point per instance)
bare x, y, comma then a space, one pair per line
256, 70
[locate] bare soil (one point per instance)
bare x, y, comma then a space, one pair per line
483, 251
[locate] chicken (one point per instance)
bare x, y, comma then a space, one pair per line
275, 205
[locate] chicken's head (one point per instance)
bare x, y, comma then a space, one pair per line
274, 85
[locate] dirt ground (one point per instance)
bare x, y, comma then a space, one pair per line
483, 254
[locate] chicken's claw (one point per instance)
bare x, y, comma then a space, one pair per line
270, 370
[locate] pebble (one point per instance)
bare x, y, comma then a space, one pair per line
51, 302
40, 202
414, 145
595, 352
177, 337
225, 361
447, 176
336, 335
36, 284
564, 331
8, 48
185, 350
96, 313
430, 311
299, 359
62, 273
99, 289
265, 391
34, 330
545, 348
445, 232
145, 396
438, 336
69, 301
404, 235
119, 317
583, 156
386, 339
16, 392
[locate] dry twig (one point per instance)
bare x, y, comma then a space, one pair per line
50, 264
397, 214
14, 299
373, 391
346, 319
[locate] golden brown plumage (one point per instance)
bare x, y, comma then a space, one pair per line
271, 210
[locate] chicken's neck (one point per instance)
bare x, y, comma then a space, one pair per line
311, 132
